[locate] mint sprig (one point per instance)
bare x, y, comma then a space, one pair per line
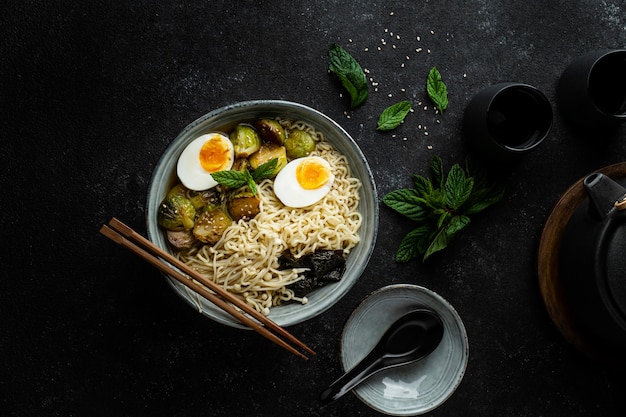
441, 206
238, 179
393, 115
349, 73
437, 90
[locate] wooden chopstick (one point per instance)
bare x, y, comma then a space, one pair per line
118, 232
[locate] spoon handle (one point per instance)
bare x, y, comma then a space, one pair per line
360, 372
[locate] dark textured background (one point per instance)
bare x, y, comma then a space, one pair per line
92, 92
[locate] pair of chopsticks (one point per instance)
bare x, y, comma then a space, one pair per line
123, 235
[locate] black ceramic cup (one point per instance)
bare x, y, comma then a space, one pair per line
592, 89
505, 121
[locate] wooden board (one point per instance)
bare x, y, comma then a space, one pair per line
548, 268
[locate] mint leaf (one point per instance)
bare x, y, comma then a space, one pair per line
488, 196
393, 115
235, 179
406, 202
445, 234
437, 90
349, 73
437, 243
436, 166
412, 244
457, 187
440, 206
231, 179
423, 185
265, 170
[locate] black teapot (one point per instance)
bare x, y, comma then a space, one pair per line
592, 262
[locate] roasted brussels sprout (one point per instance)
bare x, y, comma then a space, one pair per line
178, 189
271, 131
266, 153
245, 139
181, 239
200, 199
241, 164
176, 213
243, 205
299, 143
211, 224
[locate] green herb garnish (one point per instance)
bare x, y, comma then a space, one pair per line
350, 74
393, 115
437, 90
237, 179
441, 207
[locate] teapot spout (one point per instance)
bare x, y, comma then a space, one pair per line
603, 194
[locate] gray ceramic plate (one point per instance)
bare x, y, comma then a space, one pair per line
418, 387
320, 300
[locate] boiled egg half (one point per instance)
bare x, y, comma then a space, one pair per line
206, 154
303, 181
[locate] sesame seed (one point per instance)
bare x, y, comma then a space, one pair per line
378, 48
418, 39
403, 89
391, 14
425, 133
402, 65
366, 49
430, 146
407, 58
393, 46
390, 95
398, 37
432, 32
428, 51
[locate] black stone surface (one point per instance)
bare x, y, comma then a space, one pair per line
92, 92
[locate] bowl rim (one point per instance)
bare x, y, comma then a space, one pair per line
368, 199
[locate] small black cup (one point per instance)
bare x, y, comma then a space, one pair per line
592, 89
505, 121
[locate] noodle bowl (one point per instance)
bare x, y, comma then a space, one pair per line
245, 259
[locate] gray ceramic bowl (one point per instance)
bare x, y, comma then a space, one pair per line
322, 299
416, 388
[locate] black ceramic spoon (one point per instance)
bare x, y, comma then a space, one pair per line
412, 337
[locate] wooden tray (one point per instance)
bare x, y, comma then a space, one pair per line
548, 269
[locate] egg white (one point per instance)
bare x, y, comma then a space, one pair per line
291, 193
189, 169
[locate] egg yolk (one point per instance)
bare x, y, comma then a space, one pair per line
312, 174
214, 155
